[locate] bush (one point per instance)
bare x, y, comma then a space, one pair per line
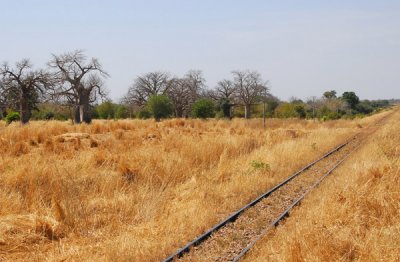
159, 106
12, 116
143, 114
331, 116
203, 108
47, 111
48, 115
105, 110
364, 108
121, 112
290, 110
300, 110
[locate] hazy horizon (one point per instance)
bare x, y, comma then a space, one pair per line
302, 49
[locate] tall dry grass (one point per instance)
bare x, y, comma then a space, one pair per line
137, 190
353, 215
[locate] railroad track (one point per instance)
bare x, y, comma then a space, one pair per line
230, 239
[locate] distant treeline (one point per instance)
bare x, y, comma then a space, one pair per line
73, 87
323, 108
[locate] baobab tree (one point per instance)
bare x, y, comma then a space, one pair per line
249, 87
225, 95
225, 90
196, 83
183, 92
146, 85
23, 86
180, 95
80, 82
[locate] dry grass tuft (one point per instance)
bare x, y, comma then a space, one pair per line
20, 148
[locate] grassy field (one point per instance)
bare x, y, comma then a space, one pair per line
138, 190
353, 215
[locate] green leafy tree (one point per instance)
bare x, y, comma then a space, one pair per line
160, 106
330, 94
351, 99
203, 108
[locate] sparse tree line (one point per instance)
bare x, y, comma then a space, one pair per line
72, 87
330, 106
70, 79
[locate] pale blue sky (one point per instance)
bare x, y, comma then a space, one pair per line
302, 47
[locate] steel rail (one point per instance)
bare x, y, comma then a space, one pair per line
179, 253
285, 213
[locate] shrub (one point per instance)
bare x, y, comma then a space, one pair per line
121, 112
331, 116
105, 110
12, 116
364, 108
300, 110
48, 115
143, 114
286, 110
159, 106
203, 108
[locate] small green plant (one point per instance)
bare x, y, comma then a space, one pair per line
260, 165
314, 146
11, 117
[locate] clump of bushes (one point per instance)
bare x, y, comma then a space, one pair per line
203, 108
12, 117
143, 114
160, 106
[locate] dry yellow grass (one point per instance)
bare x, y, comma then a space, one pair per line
353, 215
138, 190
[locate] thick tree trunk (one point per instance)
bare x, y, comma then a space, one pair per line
82, 112
77, 118
3, 112
25, 111
247, 111
226, 109
178, 112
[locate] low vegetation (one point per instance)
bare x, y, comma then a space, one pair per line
139, 189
